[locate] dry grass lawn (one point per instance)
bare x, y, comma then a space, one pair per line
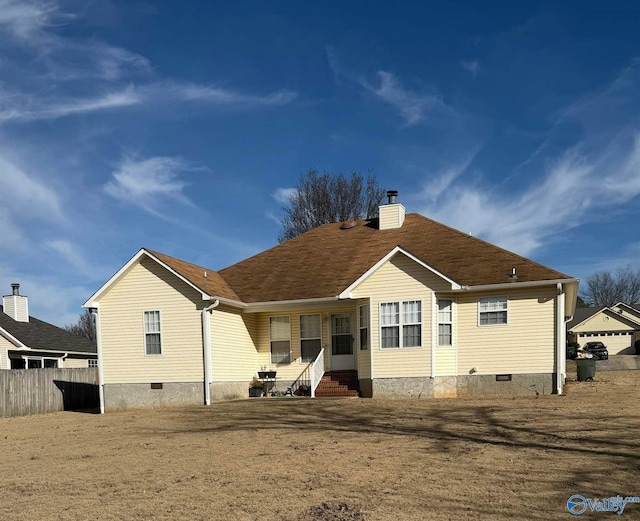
290, 459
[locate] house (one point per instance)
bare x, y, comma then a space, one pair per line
29, 343
617, 327
408, 306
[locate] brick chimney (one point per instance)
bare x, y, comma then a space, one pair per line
16, 305
391, 215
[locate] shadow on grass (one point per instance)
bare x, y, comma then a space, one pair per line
508, 424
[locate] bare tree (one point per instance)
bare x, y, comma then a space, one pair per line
327, 198
607, 289
86, 326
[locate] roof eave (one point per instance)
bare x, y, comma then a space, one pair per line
12, 339
257, 307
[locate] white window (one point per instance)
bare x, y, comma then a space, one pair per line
363, 322
409, 321
92, 363
152, 342
445, 322
280, 334
492, 311
310, 337
39, 363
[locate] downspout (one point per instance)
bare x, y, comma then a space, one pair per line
96, 317
206, 348
560, 340
434, 320
62, 359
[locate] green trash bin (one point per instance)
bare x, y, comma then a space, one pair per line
586, 369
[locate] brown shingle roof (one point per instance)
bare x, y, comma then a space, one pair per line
325, 261
213, 284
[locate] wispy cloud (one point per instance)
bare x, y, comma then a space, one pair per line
283, 195
413, 107
585, 183
23, 19
26, 108
23, 198
23, 195
442, 180
69, 252
220, 96
473, 66
150, 182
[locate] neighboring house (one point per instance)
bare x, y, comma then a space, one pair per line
412, 307
29, 343
618, 327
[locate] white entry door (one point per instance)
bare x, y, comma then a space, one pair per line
342, 352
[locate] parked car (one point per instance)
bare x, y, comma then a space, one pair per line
597, 349
572, 350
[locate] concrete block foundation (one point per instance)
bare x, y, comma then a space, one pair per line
135, 396
464, 386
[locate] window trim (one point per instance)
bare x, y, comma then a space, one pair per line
494, 298
438, 322
145, 332
400, 324
288, 317
366, 327
319, 315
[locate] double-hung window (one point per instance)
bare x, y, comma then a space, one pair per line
363, 323
401, 324
445, 322
492, 311
280, 334
152, 341
310, 337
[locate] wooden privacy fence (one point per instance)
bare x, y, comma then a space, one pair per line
37, 391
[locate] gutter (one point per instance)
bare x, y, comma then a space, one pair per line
531, 284
257, 306
206, 349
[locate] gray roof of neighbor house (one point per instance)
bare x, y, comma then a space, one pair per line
582, 314
327, 260
42, 336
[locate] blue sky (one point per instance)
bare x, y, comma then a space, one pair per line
180, 126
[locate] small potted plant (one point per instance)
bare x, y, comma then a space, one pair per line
263, 374
255, 388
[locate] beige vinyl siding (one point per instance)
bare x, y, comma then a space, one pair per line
294, 369
363, 358
146, 287
234, 356
391, 216
601, 322
75, 363
398, 280
446, 361
524, 345
5, 346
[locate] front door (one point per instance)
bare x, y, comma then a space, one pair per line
342, 357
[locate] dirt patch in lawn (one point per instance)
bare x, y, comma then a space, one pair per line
333, 460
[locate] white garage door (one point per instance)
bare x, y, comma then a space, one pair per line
617, 343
